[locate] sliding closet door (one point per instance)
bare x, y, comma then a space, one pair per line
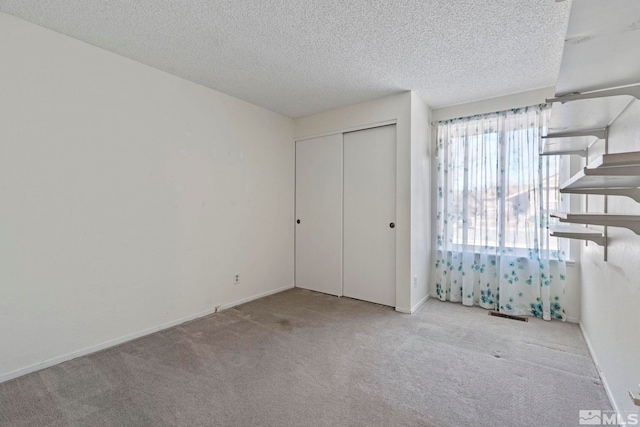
369, 215
319, 214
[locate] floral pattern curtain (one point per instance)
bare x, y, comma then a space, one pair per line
494, 196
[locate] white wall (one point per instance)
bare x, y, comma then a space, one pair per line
611, 290
130, 198
572, 284
397, 108
420, 200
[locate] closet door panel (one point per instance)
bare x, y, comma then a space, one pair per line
318, 251
369, 215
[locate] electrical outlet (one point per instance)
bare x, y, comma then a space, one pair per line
415, 281
236, 279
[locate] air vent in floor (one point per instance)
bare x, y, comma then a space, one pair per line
508, 316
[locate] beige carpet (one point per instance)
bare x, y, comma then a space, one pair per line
301, 358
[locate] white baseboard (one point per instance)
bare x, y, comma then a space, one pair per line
420, 304
258, 296
602, 377
414, 308
111, 343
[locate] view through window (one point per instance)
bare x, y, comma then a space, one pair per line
502, 190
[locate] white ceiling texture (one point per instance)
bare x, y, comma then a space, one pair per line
299, 57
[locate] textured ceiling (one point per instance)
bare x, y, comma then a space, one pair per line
299, 57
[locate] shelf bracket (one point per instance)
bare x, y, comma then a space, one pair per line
581, 153
633, 225
598, 240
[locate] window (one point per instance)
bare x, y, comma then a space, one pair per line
495, 193
494, 188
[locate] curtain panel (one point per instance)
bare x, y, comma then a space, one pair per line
494, 195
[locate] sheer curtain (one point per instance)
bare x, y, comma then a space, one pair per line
494, 196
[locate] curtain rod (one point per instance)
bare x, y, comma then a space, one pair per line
484, 115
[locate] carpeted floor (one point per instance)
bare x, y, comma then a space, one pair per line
301, 358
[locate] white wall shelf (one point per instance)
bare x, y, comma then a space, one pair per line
630, 90
633, 193
578, 232
555, 146
598, 133
586, 117
616, 160
609, 179
632, 222
610, 174
572, 142
576, 126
